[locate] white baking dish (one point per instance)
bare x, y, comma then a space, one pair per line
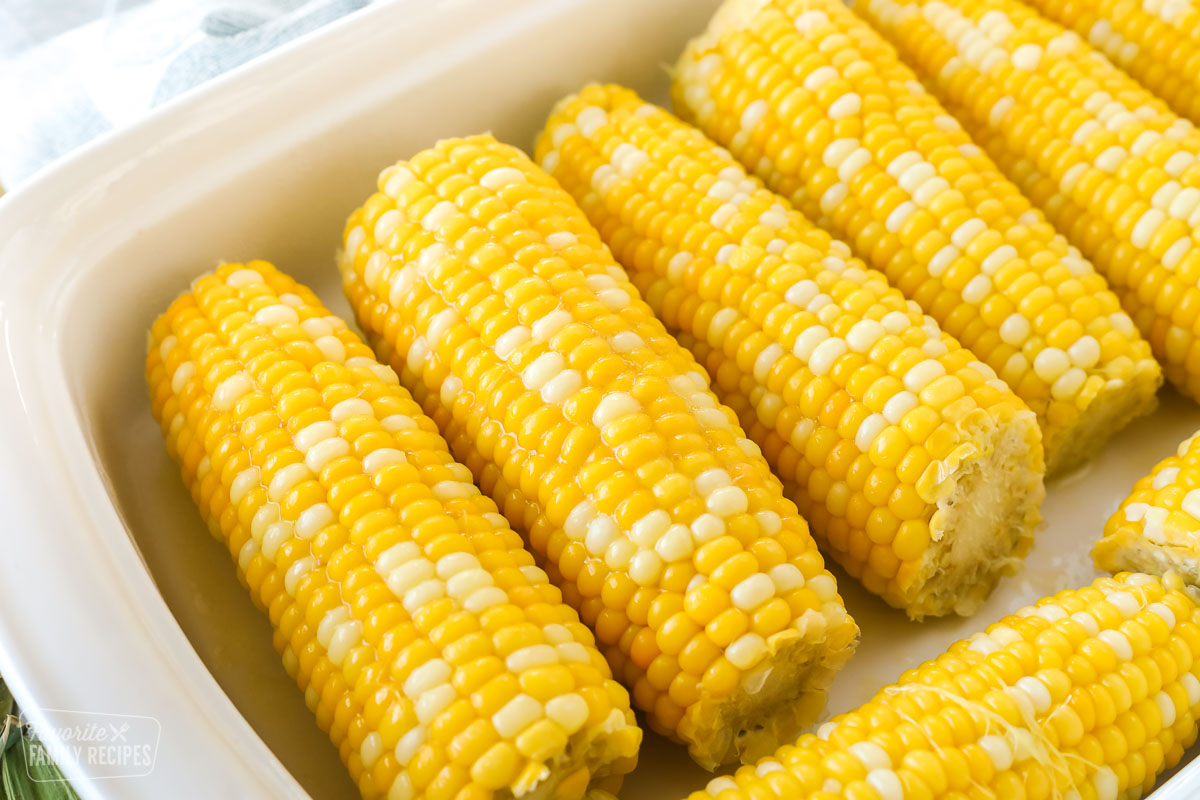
115, 599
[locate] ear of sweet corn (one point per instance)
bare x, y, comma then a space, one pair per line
479, 279
1112, 168
1090, 694
1157, 42
919, 470
1157, 528
435, 653
807, 96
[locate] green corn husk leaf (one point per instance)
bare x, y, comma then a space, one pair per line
39, 780
36, 779
6, 700
22, 777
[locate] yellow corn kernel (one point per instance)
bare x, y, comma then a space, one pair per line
988, 719
273, 407
819, 106
930, 423
1112, 168
503, 312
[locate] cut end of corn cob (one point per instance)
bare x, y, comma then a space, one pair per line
1090, 693
983, 524
772, 704
479, 279
1111, 405
429, 646
919, 470
812, 100
980, 526
1157, 528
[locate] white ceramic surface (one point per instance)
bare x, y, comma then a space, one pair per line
115, 599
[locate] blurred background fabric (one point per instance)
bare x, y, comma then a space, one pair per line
70, 70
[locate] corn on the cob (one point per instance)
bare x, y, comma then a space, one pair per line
807, 96
435, 653
1157, 528
484, 285
1090, 694
1111, 166
919, 470
1156, 41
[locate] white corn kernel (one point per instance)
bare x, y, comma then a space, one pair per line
516, 715
752, 592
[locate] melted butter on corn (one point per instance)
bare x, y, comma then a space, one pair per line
811, 99
437, 656
916, 466
1090, 694
478, 278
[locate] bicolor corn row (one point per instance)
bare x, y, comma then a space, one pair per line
435, 653
1111, 166
1157, 527
1090, 694
479, 279
810, 98
916, 466
1155, 41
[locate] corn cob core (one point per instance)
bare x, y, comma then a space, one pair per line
437, 656
1157, 528
484, 285
1123, 173
1089, 694
808, 97
1157, 42
916, 466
